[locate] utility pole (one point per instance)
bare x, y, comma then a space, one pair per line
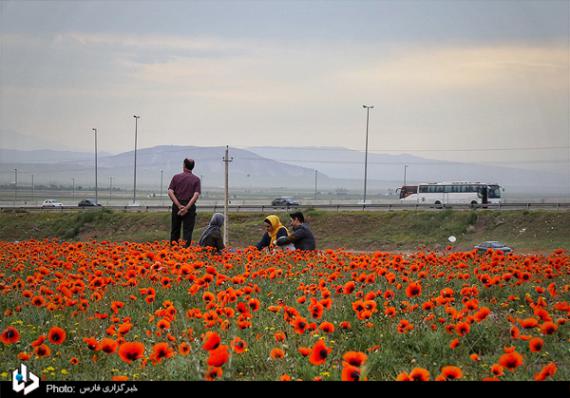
405, 167
161, 174
33, 189
368, 107
226, 160
96, 186
15, 186
316, 172
73, 189
110, 188
135, 183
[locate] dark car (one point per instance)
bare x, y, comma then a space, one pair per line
284, 201
88, 203
493, 245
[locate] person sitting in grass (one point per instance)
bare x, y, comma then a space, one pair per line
273, 231
302, 237
212, 234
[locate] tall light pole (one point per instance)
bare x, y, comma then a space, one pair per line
367, 107
161, 174
96, 185
73, 189
405, 167
316, 172
33, 189
15, 186
135, 183
110, 188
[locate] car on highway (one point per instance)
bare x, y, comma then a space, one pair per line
493, 245
285, 201
51, 203
88, 203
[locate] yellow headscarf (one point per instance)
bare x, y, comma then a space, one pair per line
275, 227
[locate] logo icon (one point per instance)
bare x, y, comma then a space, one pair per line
20, 378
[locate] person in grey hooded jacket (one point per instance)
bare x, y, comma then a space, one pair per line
212, 234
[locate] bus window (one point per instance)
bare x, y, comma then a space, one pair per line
494, 192
423, 188
440, 188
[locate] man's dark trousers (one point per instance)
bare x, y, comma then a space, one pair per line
186, 221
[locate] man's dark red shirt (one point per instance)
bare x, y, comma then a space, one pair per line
184, 185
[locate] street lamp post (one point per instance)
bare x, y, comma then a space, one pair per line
96, 185
367, 107
316, 172
135, 183
110, 188
161, 174
405, 167
33, 201
73, 189
15, 186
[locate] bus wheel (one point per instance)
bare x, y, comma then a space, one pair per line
438, 205
473, 205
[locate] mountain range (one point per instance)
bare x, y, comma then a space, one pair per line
264, 167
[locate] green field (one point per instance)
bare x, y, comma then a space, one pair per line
395, 230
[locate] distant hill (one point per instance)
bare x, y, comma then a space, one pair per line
46, 156
266, 167
342, 163
247, 169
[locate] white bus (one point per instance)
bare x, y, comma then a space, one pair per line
448, 193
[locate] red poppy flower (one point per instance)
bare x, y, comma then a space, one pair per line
108, 346
10, 335
213, 373
536, 344
277, 353
419, 374
548, 328
91, 343
327, 327
131, 351
184, 348
451, 372
547, 371
355, 358
350, 373
300, 325
161, 351
42, 351
56, 335
219, 356
211, 341
304, 351
279, 336
319, 353
511, 360
497, 370
413, 290
238, 345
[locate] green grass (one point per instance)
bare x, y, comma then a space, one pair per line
392, 230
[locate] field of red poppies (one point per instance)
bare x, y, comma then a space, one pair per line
148, 311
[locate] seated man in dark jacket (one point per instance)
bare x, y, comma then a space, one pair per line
302, 237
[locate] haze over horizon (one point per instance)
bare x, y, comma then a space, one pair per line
479, 81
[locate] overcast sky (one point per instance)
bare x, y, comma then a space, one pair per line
444, 76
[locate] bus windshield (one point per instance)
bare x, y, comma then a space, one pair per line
494, 192
408, 190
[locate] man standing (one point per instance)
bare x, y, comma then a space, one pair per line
302, 237
184, 190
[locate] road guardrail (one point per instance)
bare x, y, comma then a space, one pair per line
330, 207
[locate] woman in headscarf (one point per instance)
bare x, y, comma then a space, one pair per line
212, 235
273, 230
